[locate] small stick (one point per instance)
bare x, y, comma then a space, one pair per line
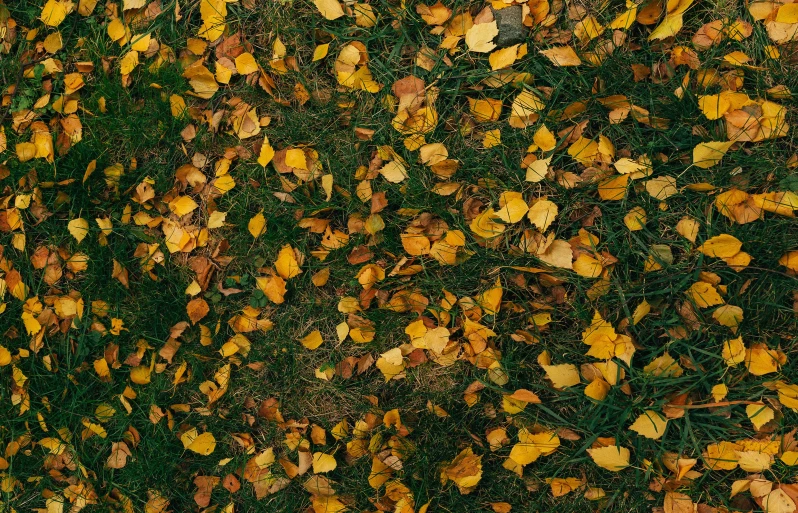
710, 405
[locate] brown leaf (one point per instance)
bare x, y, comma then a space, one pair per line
119, 455
197, 309
205, 485
231, 483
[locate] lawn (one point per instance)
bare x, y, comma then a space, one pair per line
322, 256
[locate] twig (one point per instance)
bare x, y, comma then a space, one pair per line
710, 405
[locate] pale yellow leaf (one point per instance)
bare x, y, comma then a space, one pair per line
330, 9
78, 228
479, 38
612, 457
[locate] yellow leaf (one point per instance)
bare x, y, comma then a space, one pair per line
525, 110
759, 414
545, 139
201, 80
140, 375
704, 295
313, 340
721, 246
587, 266
688, 228
562, 56
739, 261
558, 254
177, 105
714, 106
706, 155
641, 311
733, 351
79, 228
490, 300
25, 151
465, 470
330, 9
597, 389
273, 287
129, 62
678, 6
286, 264
257, 225
503, 58
650, 424
55, 11
323, 462
415, 244
754, 461
614, 188
612, 457
32, 325
484, 226
538, 170
678, 503
736, 58
588, 29
140, 42
524, 454
116, 29
728, 315
5, 356
193, 288
327, 185
790, 260
662, 187
229, 348
266, 152
203, 444
380, 473
627, 166
213, 14
321, 52
512, 207
479, 38
562, 376
182, 205
669, 27
246, 64
719, 392
788, 13
485, 110
789, 458
53, 42
722, 456
492, 138
216, 219
542, 214
624, 20
635, 219
761, 360
779, 501
394, 171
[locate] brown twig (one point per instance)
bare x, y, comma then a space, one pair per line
710, 405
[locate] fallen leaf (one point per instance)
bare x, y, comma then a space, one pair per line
562, 56
612, 457
479, 38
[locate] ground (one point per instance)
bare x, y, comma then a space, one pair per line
320, 256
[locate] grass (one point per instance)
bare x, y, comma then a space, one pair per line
137, 130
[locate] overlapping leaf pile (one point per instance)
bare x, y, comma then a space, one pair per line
561, 266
